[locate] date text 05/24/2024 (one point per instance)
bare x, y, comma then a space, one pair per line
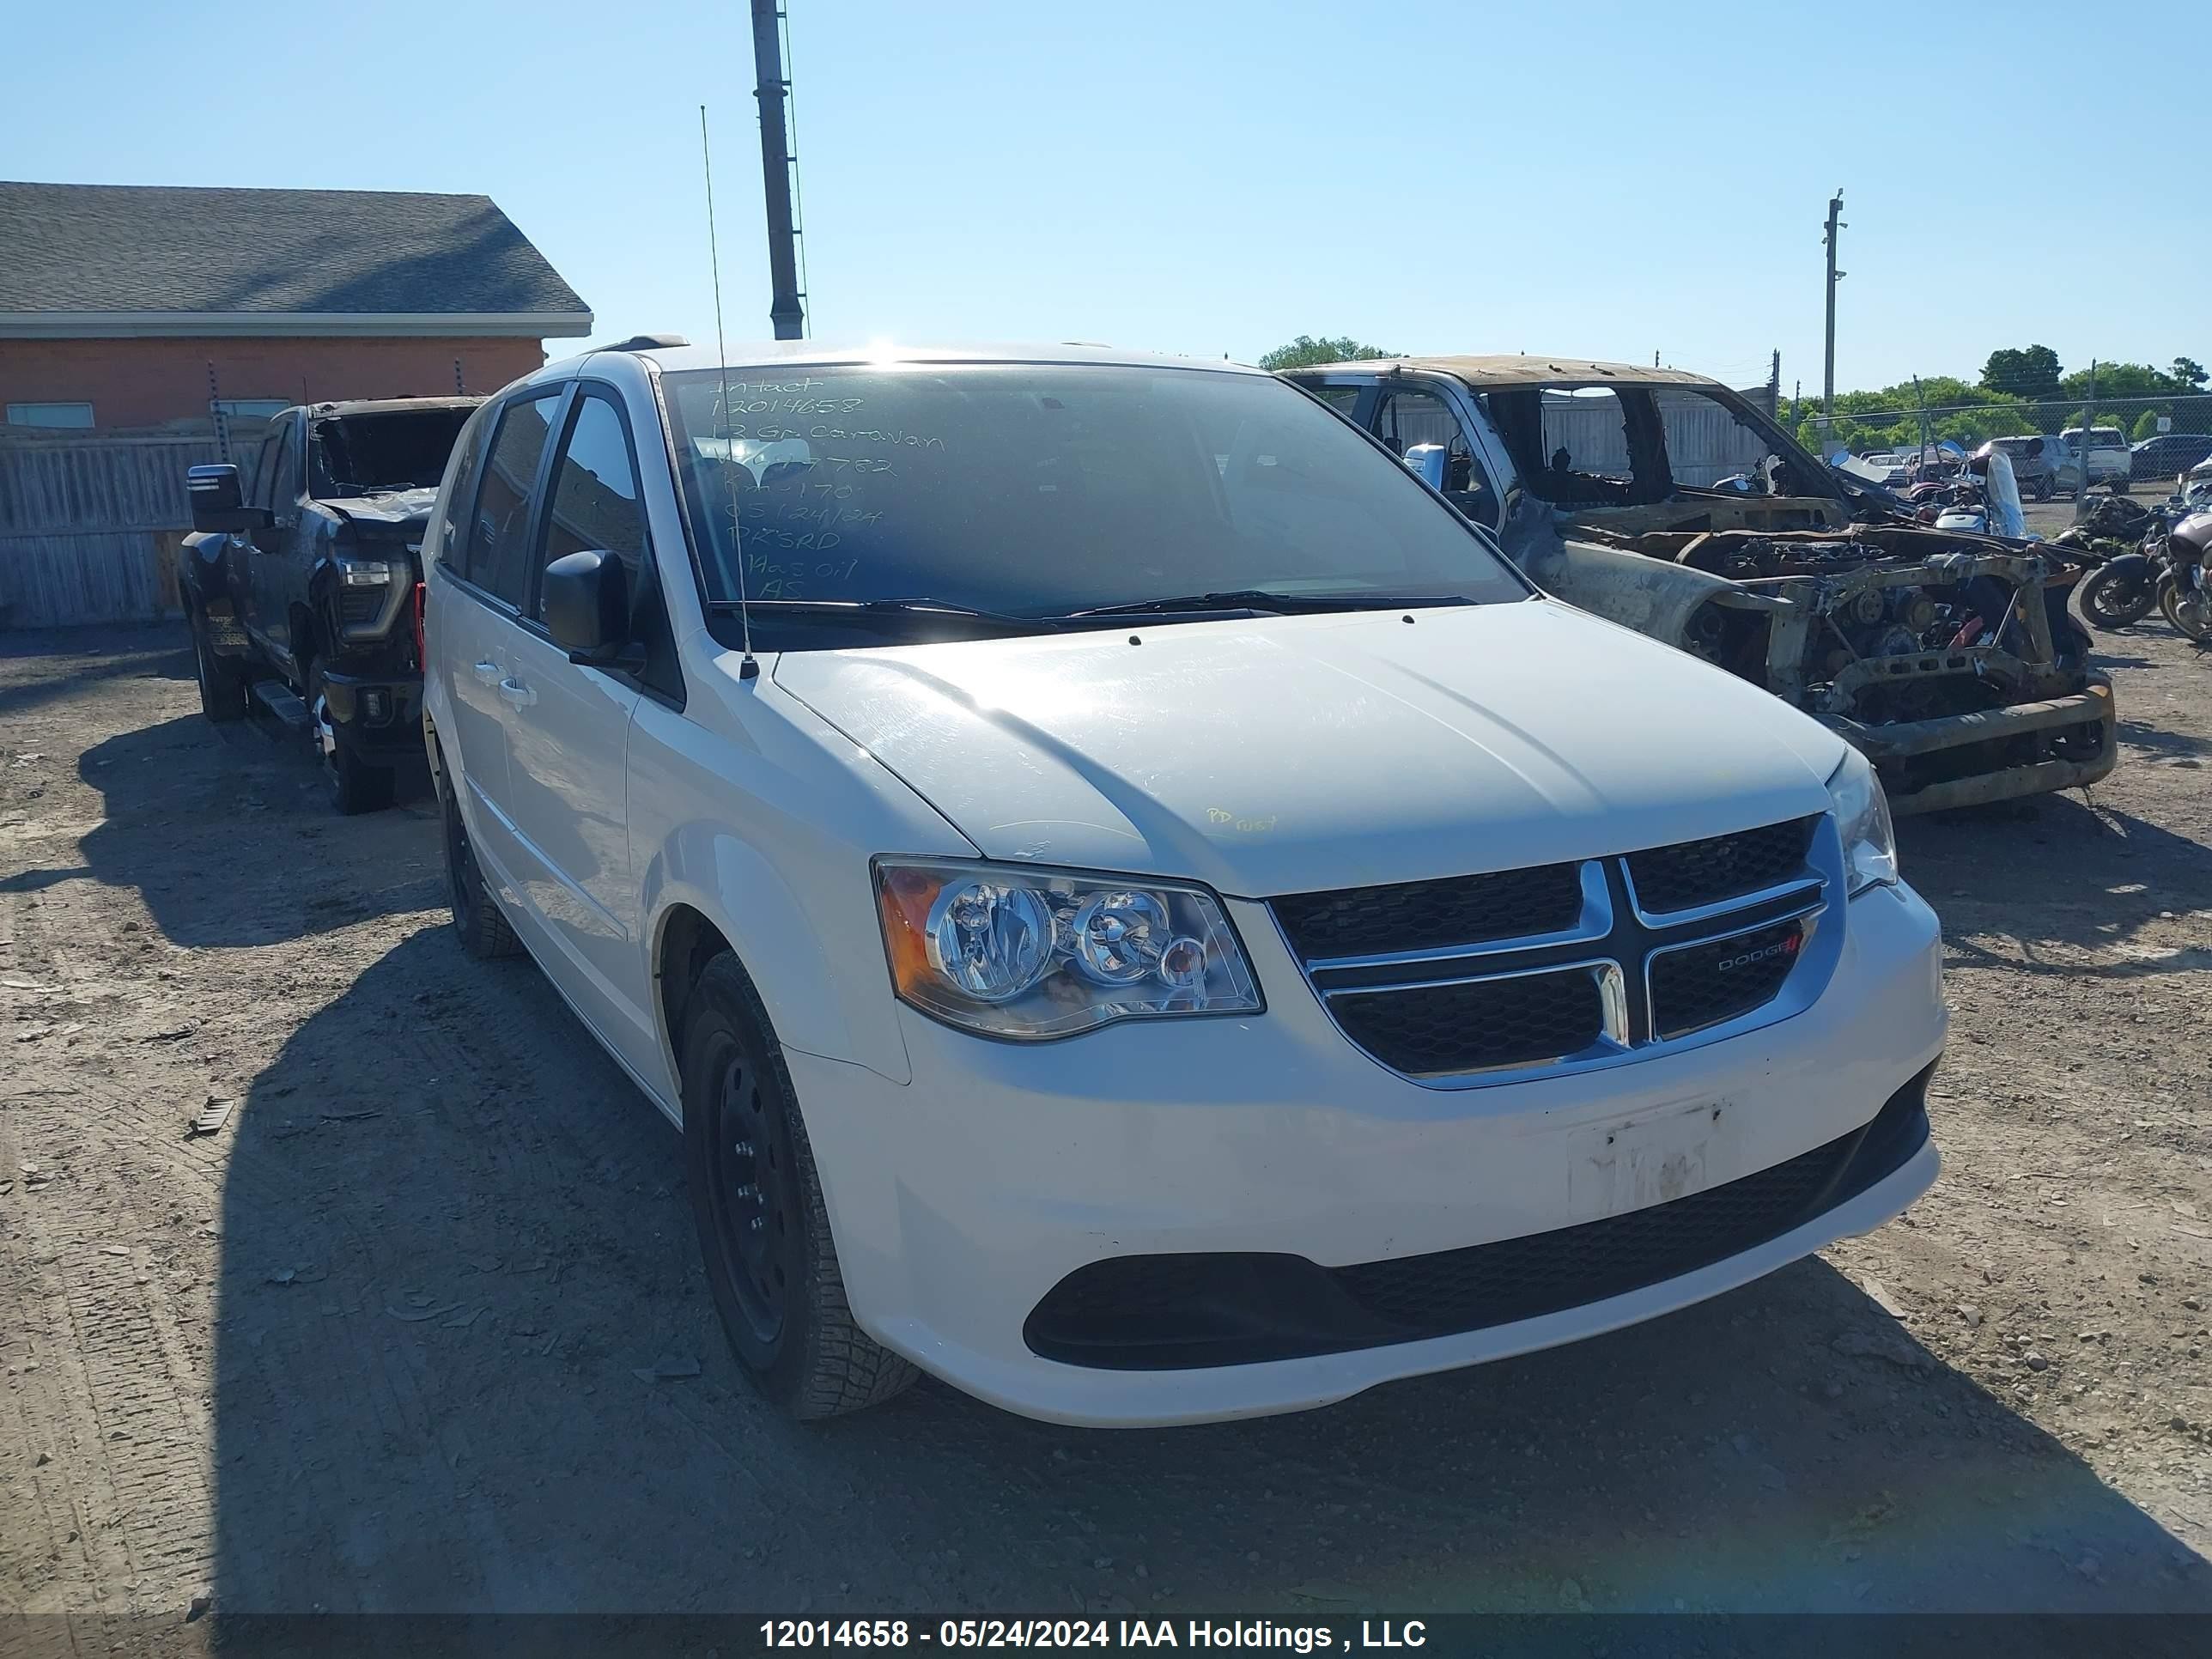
1095, 1633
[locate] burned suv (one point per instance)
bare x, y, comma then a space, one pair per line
303, 582
1666, 503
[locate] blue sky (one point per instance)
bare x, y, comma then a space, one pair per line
1217, 177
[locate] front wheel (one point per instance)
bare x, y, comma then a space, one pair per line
764, 1229
2120, 593
355, 785
2190, 613
221, 679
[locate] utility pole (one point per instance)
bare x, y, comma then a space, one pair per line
1828, 379
2081, 449
770, 89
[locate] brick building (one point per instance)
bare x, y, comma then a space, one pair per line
119, 304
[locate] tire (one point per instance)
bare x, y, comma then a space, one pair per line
2170, 605
221, 679
764, 1229
355, 786
483, 930
2119, 594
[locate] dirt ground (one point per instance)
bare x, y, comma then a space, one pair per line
420, 1325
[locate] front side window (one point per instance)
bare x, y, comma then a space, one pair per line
1038, 490
596, 502
498, 562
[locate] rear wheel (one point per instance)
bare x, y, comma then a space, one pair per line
221, 679
355, 785
484, 933
764, 1229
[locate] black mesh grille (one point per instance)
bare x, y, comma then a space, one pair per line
1420, 915
1696, 873
1165, 1312
1702, 985
1442, 1029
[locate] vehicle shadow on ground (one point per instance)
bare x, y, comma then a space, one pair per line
211, 823
2057, 880
74, 658
464, 1359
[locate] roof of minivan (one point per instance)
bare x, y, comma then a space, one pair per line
797, 354
1520, 371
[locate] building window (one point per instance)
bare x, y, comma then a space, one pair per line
49, 414
252, 408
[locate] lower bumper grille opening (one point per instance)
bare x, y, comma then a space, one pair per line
1181, 1312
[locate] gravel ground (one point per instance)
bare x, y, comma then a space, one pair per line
419, 1326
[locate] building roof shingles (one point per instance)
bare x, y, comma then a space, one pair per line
108, 248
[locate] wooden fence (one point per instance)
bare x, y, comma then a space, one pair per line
90, 527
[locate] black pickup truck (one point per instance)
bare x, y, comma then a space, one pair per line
302, 580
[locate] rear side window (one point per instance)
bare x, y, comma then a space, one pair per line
498, 562
595, 491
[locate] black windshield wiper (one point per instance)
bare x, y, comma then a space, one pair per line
867, 612
1284, 604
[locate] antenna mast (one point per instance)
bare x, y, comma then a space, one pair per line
749, 668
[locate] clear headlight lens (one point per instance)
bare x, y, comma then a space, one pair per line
1014, 951
364, 573
1862, 816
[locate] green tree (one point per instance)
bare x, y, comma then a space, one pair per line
2187, 371
1305, 351
2146, 425
2030, 372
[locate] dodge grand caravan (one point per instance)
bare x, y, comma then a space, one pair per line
1135, 907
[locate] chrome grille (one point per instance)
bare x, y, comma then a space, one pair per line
1487, 978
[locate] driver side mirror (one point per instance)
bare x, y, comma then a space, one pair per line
1427, 462
219, 499
585, 605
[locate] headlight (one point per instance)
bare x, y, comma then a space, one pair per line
1863, 817
1015, 951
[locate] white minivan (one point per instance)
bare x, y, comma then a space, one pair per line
1136, 909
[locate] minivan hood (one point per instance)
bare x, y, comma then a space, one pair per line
1298, 753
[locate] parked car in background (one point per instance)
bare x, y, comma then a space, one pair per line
301, 581
2168, 455
2106, 453
1605, 482
1136, 907
2042, 467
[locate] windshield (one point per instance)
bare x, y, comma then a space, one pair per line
1038, 490
406, 449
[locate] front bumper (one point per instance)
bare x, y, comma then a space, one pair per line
382, 714
961, 1199
2085, 711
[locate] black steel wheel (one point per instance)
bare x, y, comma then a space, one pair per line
221, 679
764, 1228
484, 933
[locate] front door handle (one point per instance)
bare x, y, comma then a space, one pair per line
517, 693
488, 673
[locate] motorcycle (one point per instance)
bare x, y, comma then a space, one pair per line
2185, 591
2127, 544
